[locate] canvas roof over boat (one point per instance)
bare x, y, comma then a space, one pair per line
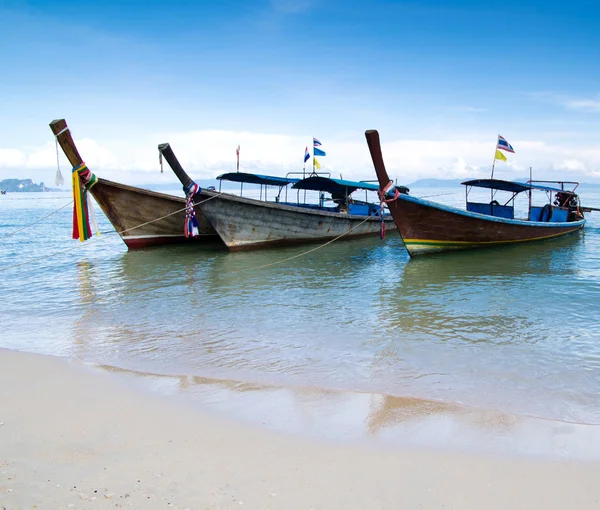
268, 180
512, 186
336, 186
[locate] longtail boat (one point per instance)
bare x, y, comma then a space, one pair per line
141, 217
245, 223
429, 227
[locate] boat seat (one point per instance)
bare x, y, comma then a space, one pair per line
497, 210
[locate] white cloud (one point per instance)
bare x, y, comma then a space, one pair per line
571, 103
11, 158
587, 105
205, 154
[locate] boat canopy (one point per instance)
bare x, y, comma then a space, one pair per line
512, 186
267, 180
338, 186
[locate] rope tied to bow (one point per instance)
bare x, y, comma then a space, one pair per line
58, 179
190, 227
382, 192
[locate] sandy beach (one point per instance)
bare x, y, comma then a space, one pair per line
74, 437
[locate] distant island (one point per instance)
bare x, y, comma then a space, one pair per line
22, 185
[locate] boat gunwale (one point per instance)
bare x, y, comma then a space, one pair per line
292, 208
136, 189
486, 217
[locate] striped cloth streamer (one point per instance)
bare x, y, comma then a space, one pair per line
83, 180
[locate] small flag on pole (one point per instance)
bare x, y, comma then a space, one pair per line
319, 152
500, 156
237, 153
306, 155
316, 142
504, 145
317, 164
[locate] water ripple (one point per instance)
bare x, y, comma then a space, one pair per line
514, 329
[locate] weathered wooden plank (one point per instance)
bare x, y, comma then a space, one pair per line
245, 223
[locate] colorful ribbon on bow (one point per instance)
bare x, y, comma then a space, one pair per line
190, 228
83, 180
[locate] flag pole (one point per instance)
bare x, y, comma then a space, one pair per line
493, 166
313, 154
494, 163
304, 167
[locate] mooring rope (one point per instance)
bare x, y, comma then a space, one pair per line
37, 221
303, 253
167, 215
52, 257
96, 237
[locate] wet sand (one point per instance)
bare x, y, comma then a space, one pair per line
75, 437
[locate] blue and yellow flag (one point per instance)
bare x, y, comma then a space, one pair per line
317, 164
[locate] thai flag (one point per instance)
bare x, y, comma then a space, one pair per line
504, 145
316, 142
306, 155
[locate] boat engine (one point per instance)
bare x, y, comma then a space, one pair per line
570, 201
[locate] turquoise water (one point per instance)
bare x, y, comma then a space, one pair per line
512, 329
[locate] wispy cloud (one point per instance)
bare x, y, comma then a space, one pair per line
588, 105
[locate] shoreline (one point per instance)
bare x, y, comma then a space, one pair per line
73, 437
363, 417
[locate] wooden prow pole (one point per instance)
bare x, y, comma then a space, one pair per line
169, 155
372, 137
65, 140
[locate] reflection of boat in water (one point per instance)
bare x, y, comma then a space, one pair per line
431, 227
247, 223
141, 217
502, 296
507, 262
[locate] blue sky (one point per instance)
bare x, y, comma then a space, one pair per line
439, 79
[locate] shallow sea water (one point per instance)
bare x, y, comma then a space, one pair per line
352, 340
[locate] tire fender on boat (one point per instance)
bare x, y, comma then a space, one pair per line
549, 209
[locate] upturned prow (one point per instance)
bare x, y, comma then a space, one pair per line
166, 151
65, 140
374, 144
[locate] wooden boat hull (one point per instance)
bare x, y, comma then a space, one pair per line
428, 227
245, 223
131, 211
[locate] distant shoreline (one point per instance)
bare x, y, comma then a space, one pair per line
27, 185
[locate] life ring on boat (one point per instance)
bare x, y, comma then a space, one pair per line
546, 210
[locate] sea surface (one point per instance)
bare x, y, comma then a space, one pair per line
351, 339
